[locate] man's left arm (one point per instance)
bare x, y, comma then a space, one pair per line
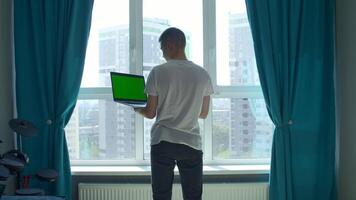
151, 107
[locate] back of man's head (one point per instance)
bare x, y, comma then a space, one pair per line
173, 35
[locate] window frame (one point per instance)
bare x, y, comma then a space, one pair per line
209, 62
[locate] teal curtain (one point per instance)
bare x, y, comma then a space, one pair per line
294, 47
50, 44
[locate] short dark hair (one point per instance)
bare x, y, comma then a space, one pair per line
173, 34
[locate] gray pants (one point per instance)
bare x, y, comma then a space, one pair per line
164, 157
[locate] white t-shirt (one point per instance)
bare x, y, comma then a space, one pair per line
180, 86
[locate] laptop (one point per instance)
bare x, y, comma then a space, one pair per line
128, 89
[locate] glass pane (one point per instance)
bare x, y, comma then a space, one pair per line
242, 129
108, 44
236, 64
147, 137
101, 130
158, 15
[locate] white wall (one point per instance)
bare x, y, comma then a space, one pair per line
346, 96
6, 103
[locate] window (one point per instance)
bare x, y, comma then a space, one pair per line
124, 37
240, 140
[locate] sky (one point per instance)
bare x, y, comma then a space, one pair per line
108, 13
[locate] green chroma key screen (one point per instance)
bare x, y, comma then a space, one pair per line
128, 87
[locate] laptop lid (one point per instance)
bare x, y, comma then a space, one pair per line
128, 88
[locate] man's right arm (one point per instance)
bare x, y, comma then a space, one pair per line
205, 107
150, 110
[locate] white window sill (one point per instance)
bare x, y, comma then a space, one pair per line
145, 170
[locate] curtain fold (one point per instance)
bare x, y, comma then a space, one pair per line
50, 44
294, 47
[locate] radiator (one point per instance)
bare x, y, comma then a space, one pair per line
221, 191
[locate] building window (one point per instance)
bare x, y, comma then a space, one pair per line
124, 38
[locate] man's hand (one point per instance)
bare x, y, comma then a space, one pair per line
150, 110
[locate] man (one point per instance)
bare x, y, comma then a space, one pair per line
178, 94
